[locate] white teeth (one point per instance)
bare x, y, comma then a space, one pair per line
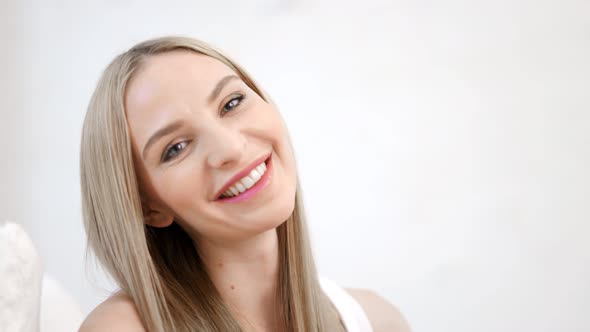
246, 182
255, 175
240, 187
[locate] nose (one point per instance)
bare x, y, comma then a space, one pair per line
226, 147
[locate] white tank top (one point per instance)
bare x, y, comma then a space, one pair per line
353, 316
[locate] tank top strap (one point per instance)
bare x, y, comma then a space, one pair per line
353, 316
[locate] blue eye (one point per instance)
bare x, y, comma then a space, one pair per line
232, 104
173, 151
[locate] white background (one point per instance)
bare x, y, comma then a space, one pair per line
444, 146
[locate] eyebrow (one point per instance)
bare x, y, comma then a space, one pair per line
161, 133
177, 124
220, 85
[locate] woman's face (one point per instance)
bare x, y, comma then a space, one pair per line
200, 136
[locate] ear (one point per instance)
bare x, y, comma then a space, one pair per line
155, 216
158, 219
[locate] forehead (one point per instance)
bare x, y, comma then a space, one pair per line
173, 74
168, 85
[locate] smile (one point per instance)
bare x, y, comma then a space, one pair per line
246, 182
256, 178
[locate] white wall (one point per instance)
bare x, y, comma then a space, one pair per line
15, 145
443, 147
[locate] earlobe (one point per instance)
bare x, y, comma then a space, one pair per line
158, 219
153, 217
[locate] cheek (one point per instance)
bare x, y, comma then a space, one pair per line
286, 158
269, 122
180, 187
265, 123
282, 143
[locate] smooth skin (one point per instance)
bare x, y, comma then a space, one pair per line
219, 127
118, 313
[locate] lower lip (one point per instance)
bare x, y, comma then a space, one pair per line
255, 189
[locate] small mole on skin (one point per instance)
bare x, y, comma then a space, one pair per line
220, 264
232, 287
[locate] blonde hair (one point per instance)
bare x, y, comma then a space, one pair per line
160, 269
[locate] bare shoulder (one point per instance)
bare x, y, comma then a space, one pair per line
383, 315
117, 313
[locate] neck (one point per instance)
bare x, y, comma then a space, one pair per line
246, 275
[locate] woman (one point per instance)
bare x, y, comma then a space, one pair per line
191, 202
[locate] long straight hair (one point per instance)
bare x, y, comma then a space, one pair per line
160, 268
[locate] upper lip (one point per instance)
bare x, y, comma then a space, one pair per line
241, 174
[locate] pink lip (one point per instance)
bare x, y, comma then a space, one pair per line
260, 185
240, 175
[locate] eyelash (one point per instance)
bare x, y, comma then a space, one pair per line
240, 98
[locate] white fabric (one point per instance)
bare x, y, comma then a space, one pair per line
20, 281
31, 301
354, 317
